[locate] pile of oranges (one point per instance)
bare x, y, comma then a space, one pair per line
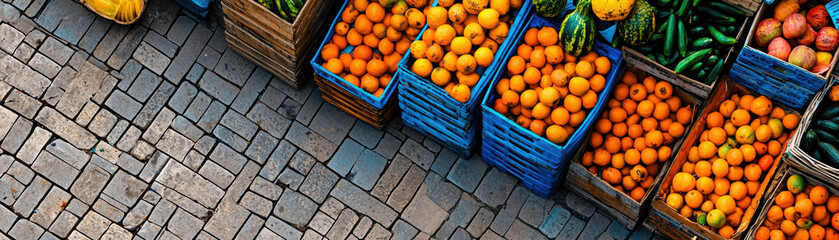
547, 90
378, 39
460, 38
737, 147
802, 211
636, 135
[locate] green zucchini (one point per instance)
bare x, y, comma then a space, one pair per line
683, 7
712, 60
714, 72
696, 3
724, 20
830, 112
830, 152
670, 36
677, 3
700, 43
721, 38
683, 38
692, 59
826, 136
663, 27
660, 58
696, 67
702, 73
726, 8
809, 141
696, 30
673, 58
827, 125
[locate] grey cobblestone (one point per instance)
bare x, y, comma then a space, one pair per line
21, 172
102, 123
8, 196
30, 197
183, 96
144, 84
184, 225
137, 215
180, 178
54, 169
24, 229
16, 135
63, 225
251, 228
33, 145
26, 105
406, 188
216, 174
49, 209
55, 50
154, 104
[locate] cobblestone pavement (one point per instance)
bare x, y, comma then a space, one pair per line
160, 131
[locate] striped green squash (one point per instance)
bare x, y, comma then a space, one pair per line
549, 8
639, 26
577, 32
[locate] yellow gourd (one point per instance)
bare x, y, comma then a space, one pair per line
612, 10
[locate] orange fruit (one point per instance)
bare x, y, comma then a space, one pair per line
556, 134
376, 67
740, 117
466, 64
461, 93
661, 111
684, 115
334, 66
637, 92
578, 86
819, 195
675, 201
746, 102
790, 121
726, 232
784, 199
683, 182
421, 67
369, 83
761, 106
788, 227
726, 204
612, 175
804, 207
352, 79
714, 119
694, 199
762, 233
721, 186
663, 90
707, 149
737, 190
483, 56
720, 167
703, 168
705, 185
833, 204
602, 65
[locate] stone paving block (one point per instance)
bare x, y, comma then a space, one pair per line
102, 123
302, 162
291, 179
481, 222
6, 162
509, 212
159, 125
25, 229
68, 153
534, 210
162, 44
75, 235
8, 196
21, 172
572, 228
321, 223
424, 213
108, 210
93, 225
128, 73
226, 221
89, 183
24, 104
310, 106
404, 192
188, 53
365, 134
142, 150
417, 153
98, 161
467, 173
56, 51
251, 228
460, 234
15, 137
7, 219
256, 204
261, 147
94, 34
378, 233
403, 231
466, 208
184, 225
199, 105
161, 212
362, 227
332, 123
443, 193
137, 215
240, 185
154, 104
520, 230
204, 144
24, 52
282, 229
83, 85
174, 144
10, 39
128, 46
87, 113
555, 221
332, 207
181, 179
116, 232
194, 160
234, 67
63, 225
229, 137
239, 124
123, 105
36, 38
250, 91
641, 233
49, 209
44, 65
596, 225
21, 76
125, 188
495, 188
30, 197
388, 146
295, 208
144, 84
33, 145
273, 98
182, 97
209, 57
228, 158
281, 156
76, 207
367, 169
275, 124
7, 119
180, 30
345, 157
343, 225
397, 168
107, 152
216, 174
579, 205
149, 230
54, 169
218, 88
129, 164
617, 230
269, 235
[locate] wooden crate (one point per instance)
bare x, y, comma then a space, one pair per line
804, 161
694, 86
337, 96
668, 222
628, 211
273, 43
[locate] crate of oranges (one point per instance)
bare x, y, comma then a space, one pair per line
542, 104
356, 66
629, 148
799, 207
721, 172
450, 65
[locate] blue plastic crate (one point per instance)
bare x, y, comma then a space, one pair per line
783, 91
199, 7
769, 65
539, 163
375, 102
430, 110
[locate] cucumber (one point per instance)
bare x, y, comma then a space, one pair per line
809, 141
725, 20
696, 30
692, 59
702, 73
676, 3
670, 35
660, 58
709, 12
662, 15
651, 56
730, 29
712, 60
673, 58
656, 37
663, 26
831, 154
696, 3
683, 38
721, 38
827, 125
683, 7
723, 7
830, 112
826, 136
714, 72
700, 43
696, 67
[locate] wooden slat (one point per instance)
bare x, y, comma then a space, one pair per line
263, 61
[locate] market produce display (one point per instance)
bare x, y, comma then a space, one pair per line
461, 37
821, 140
576, 35
738, 145
803, 210
370, 40
547, 90
636, 135
120, 10
690, 37
286, 9
799, 32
